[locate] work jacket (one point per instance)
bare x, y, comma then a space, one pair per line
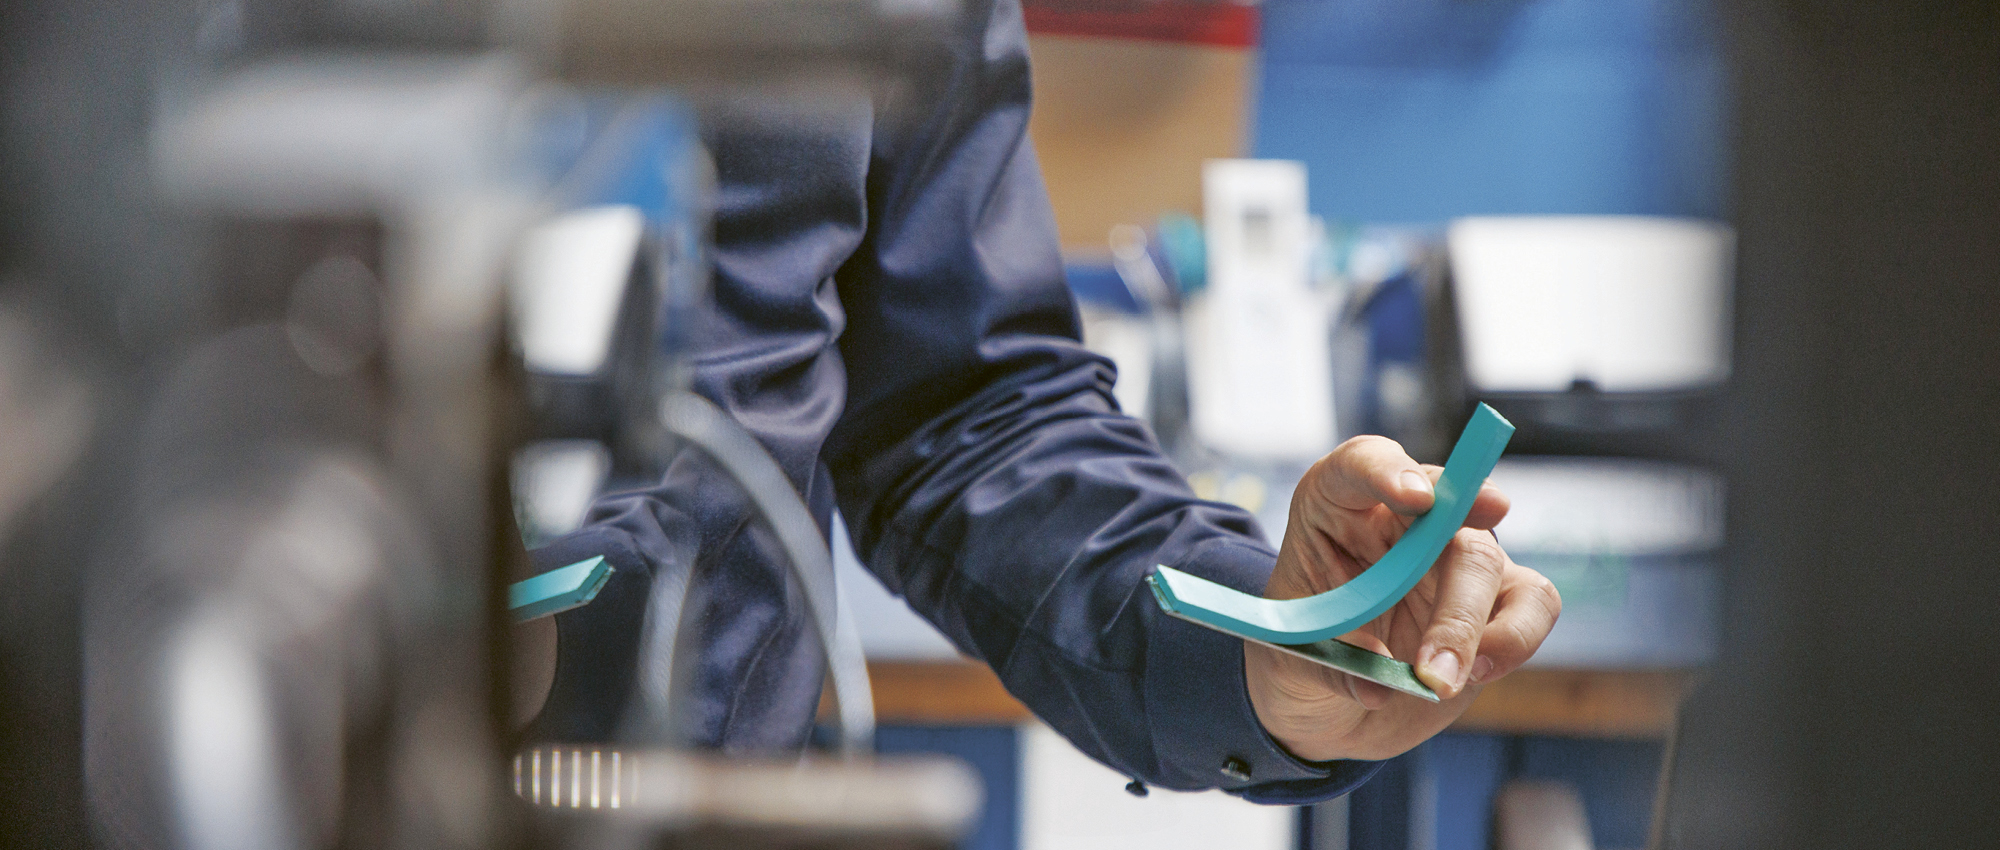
889, 318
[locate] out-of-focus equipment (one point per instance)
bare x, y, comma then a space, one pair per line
1625, 304
1633, 544
45, 414
1593, 324
1607, 339
297, 633
1260, 380
1539, 815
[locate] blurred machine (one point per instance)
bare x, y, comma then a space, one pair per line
1599, 334
431, 235
1606, 338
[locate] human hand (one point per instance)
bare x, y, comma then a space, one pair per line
1476, 616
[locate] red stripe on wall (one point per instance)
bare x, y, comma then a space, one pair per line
1217, 24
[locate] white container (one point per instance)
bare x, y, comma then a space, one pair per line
1627, 303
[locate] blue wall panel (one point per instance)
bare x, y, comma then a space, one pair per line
1467, 771
994, 751
1617, 780
1423, 110
1440, 795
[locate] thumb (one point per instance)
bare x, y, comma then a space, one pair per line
1469, 574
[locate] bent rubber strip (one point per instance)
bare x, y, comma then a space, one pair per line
1290, 623
557, 590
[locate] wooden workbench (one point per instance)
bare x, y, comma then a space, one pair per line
1575, 703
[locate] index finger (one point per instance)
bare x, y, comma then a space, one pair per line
1489, 507
1367, 471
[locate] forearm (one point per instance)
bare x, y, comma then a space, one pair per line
1023, 523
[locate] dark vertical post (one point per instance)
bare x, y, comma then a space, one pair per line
1856, 704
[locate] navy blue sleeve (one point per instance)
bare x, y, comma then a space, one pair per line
988, 476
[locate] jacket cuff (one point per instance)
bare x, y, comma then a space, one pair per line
1203, 726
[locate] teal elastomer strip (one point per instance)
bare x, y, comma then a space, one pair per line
557, 590
1378, 588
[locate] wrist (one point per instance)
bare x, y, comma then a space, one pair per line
1299, 729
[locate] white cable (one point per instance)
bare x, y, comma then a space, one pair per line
702, 424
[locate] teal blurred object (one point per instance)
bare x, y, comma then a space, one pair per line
1186, 251
1293, 622
557, 590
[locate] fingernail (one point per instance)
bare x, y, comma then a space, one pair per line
1444, 667
1481, 668
1417, 481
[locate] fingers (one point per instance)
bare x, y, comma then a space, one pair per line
1362, 474
1488, 508
1523, 614
1469, 577
1366, 471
